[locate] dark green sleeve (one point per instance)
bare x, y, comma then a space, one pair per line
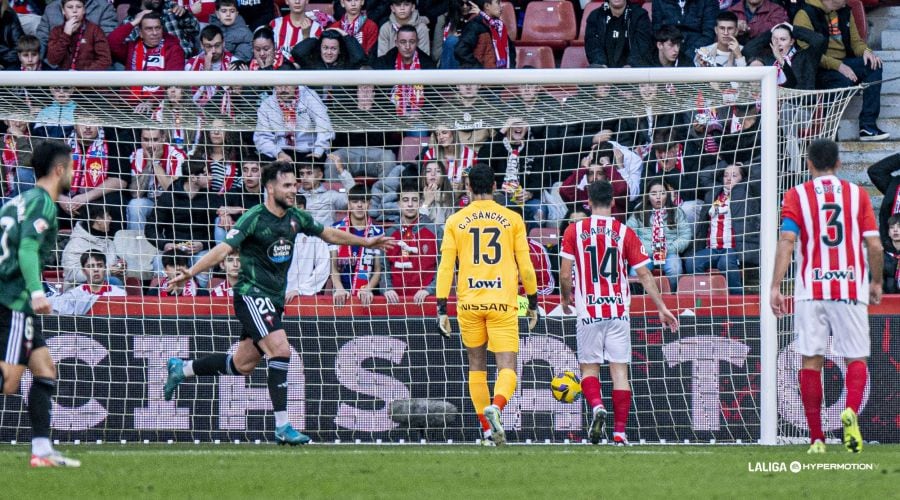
36, 225
241, 229
308, 225
30, 264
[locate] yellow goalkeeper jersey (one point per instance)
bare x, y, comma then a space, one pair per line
490, 245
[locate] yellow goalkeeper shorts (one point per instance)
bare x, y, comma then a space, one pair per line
494, 324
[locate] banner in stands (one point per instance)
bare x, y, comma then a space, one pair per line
393, 379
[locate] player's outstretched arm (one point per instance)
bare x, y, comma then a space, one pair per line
338, 237
566, 287
876, 268
782, 262
665, 316
213, 258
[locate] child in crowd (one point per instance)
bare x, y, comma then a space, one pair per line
174, 262
58, 119
231, 266
403, 13
355, 270
355, 23
892, 256
78, 44
238, 37
16, 175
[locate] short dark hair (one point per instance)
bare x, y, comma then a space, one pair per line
481, 179
197, 166
173, 258
823, 154
312, 165
28, 43
95, 210
270, 172
226, 3
300, 201
727, 16
600, 194
92, 254
152, 15
358, 192
210, 31
892, 220
398, 2
407, 28
47, 155
263, 32
603, 150
410, 186
669, 33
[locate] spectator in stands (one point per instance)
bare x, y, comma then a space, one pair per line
10, 33
27, 13
257, 13
472, 111
220, 149
356, 23
17, 176
411, 265
892, 256
674, 161
333, 50
355, 270
404, 13
885, 176
98, 12
292, 124
445, 146
437, 193
741, 138
79, 300
231, 267
406, 56
174, 262
848, 61
322, 202
669, 40
184, 216
310, 265
265, 56
517, 160
93, 234
295, 26
243, 196
618, 35
797, 66
601, 163
28, 52
448, 28
535, 103
663, 229
176, 21
78, 44
726, 51
55, 120
154, 167
485, 41
696, 19
153, 51
729, 230
376, 10
201, 9
543, 271
757, 17
238, 37
100, 169
214, 57
175, 109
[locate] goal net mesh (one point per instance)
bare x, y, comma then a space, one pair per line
380, 371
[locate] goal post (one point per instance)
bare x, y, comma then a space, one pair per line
375, 372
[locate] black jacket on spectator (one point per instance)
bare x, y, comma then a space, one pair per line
530, 162
307, 54
697, 21
891, 265
881, 174
468, 41
743, 146
389, 60
178, 218
744, 208
801, 73
10, 32
638, 38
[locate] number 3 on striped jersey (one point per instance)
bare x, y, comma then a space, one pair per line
608, 268
834, 221
493, 256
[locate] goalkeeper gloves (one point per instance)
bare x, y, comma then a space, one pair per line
532, 313
443, 319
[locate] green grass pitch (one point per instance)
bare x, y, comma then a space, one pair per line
451, 471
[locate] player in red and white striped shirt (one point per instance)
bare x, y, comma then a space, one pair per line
294, 27
601, 250
835, 225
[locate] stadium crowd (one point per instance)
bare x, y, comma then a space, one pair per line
146, 202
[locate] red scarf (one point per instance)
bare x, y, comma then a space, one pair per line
90, 168
189, 290
407, 241
408, 98
289, 115
896, 208
346, 253
144, 59
10, 162
499, 38
354, 29
203, 95
79, 41
231, 174
178, 133
276, 63
658, 223
446, 31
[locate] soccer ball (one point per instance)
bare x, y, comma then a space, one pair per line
566, 387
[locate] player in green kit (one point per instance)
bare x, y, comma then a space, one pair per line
28, 230
265, 236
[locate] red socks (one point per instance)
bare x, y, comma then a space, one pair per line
855, 381
590, 387
485, 425
811, 395
621, 406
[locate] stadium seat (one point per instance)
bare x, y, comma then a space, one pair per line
508, 16
574, 57
133, 286
550, 24
324, 7
214, 282
588, 8
539, 57
410, 148
859, 16
546, 236
648, 6
662, 283
703, 284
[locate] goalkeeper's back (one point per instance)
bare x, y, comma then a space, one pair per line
489, 243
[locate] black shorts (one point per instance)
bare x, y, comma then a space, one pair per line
259, 316
20, 335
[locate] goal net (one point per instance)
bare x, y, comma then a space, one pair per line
165, 163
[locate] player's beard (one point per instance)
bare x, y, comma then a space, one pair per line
284, 201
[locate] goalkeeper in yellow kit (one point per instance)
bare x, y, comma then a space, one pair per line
489, 243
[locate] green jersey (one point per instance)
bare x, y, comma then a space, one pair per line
266, 243
28, 230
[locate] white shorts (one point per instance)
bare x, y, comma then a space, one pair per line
604, 340
847, 324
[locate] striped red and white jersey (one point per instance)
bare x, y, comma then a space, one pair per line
541, 262
834, 218
603, 250
456, 167
287, 34
721, 230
